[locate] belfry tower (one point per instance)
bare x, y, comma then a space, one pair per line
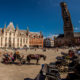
68, 27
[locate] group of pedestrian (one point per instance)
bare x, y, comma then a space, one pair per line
11, 57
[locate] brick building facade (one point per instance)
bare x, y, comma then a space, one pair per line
69, 38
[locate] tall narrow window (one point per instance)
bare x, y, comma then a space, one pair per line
5, 41
18, 42
13, 42
24, 40
21, 42
6, 33
1, 41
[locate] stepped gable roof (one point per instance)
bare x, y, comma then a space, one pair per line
22, 33
76, 34
10, 26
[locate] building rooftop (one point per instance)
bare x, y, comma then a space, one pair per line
11, 28
60, 36
76, 34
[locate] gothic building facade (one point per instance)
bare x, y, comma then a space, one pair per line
16, 38
69, 37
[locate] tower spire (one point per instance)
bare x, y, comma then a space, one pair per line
41, 34
68, 27
27, 32
17, 27
3, 30
28, 28
5, 26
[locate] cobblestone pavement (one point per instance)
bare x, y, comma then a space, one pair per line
25, 72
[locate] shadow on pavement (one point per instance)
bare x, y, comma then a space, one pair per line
16, 63
31, 64
28, 79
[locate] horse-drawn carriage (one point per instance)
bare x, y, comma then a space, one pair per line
20, 59
7, 58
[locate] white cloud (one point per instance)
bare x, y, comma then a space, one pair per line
76, 28
52, 36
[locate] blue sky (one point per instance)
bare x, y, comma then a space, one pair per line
39, 15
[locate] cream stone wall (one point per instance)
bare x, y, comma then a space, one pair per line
0, 41
11, 39
15, 38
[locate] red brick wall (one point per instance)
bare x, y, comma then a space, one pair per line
36, 42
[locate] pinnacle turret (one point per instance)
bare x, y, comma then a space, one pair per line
27, 32
17, 27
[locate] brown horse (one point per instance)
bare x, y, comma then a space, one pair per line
36, 57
